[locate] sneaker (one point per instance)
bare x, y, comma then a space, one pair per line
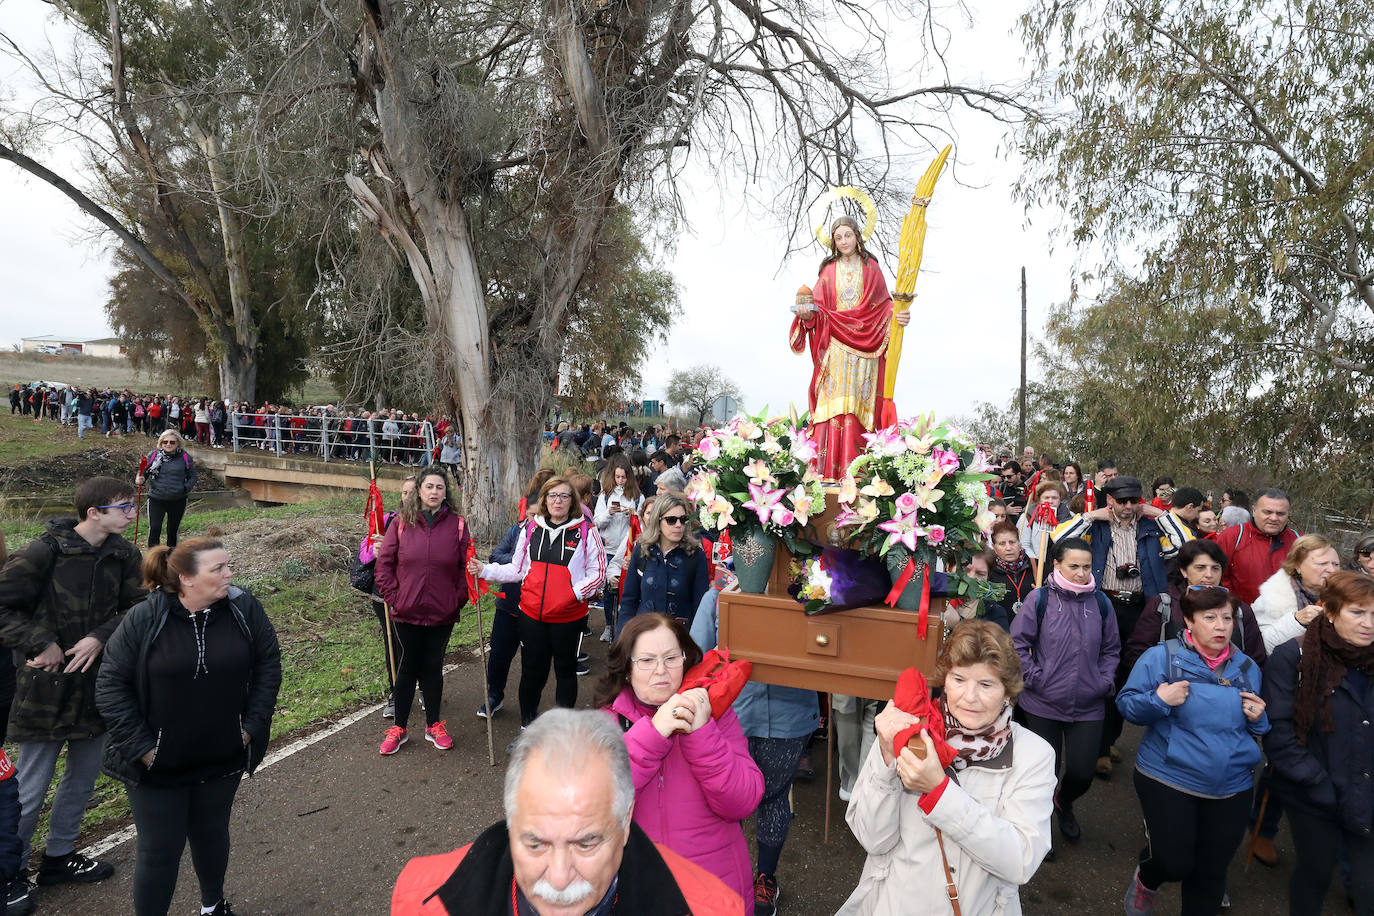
606, 635
389, 711
1140, 900
845, 794
1104, 767
766, 895
583, 658
490, 704
583, 670
1068, 824
395, 737
20, 903
222, 909
1225, 901
437, 735
805, 772
72, 867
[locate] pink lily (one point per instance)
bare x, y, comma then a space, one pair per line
902, 529
849, 489
804, 448
926, 498
801, 504
885, 442
877, 487
762, 500
721, 508
701, 488
846, 518
946, 462
709, 448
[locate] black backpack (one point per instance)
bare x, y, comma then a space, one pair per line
1042, 602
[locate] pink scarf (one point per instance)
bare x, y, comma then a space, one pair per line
1069, 585
1213, 663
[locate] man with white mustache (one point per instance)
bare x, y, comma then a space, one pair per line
568, 846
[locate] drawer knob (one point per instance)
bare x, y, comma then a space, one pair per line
822, 640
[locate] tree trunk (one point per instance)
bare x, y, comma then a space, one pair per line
238, 375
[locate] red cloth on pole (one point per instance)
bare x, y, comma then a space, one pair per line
372, 510
913, 696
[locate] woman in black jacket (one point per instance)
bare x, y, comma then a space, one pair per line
1319, 689
187, 688
171, 476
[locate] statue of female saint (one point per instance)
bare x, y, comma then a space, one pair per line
845, 326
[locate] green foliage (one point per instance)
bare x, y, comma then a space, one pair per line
1227, 144
698, 388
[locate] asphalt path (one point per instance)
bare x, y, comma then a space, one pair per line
328, 828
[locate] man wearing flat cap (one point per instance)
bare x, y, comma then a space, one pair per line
1130, 539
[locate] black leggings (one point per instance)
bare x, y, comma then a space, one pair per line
421, 660
173, 509
1075, 749
502, 645
1318, 842
166, 817
1197, 838
542, 644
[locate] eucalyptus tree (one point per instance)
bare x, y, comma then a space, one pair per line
487, 124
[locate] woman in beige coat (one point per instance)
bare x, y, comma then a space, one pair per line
990, 809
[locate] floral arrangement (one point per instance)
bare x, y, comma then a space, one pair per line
920, 485
755, 475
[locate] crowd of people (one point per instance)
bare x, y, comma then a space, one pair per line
1242, 648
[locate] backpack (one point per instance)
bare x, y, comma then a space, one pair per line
1165, 612
1247, 668
1042, 602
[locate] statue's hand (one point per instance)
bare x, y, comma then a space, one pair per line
904, 318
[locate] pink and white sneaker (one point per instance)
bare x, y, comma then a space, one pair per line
437, 735
395, 737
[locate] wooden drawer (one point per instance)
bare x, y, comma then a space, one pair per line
859, 652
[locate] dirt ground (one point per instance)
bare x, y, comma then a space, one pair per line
61, 473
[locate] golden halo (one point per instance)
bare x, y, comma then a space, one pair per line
822, 229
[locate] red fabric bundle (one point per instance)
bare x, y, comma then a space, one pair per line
722, 678
913, 696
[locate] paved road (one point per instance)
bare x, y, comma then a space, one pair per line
328, 829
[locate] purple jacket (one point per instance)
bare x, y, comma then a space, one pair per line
691, 791
1069, 661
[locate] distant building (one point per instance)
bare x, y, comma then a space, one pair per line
107, 347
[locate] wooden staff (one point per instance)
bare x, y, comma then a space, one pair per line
386, 607
486, 698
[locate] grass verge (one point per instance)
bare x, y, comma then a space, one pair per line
332, 657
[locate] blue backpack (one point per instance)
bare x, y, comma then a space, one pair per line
1246, 681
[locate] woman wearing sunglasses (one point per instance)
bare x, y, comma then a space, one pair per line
668, 572
694, 778
1200, 563
1199, 700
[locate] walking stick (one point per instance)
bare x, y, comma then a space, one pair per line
138, 500
829, 763
482, 656
1254, 834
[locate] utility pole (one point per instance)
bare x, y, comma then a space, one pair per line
1021, 429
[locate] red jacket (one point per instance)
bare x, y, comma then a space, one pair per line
1252, 557
559, 567
420, 569
485, 890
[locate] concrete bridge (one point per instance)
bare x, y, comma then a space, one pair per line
294, 479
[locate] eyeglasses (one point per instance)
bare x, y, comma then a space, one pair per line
671, 662
126, 508
559, 496
1127, 500
674, 519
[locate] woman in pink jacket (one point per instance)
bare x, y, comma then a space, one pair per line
694, 778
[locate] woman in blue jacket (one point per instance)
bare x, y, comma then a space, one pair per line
667, 571
1198, 697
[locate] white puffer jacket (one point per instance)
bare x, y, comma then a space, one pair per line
996, 825
1274, 609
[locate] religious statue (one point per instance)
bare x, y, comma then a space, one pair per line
845, 323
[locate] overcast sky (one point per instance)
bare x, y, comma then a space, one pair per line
961, 347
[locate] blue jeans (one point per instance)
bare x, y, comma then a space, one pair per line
36, 765
83, 423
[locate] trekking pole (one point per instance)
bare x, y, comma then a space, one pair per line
486, 696
1254, 834
138, 500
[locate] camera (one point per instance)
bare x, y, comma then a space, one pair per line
1127, 571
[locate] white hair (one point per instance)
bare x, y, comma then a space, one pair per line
1234, 515
567, 738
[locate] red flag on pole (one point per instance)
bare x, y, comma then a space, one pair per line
1089, 496
372, 511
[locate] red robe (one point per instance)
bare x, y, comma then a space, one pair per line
863, 328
